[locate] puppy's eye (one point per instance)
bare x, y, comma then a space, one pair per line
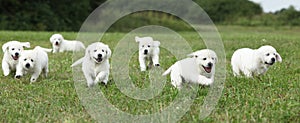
204, 58
19, 49
213, 58
142, 45
102, 50
95, 50
148, 45
274, 54
13, 49
31, 60
268, 54
196, 56
25, 59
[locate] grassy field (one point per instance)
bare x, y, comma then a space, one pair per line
270, 98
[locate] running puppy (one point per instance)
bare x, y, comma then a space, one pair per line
198, 69
12, 51
148, 50
59, 44
95, 64
254, 61
33, 62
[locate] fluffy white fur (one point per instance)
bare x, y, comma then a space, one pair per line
148, 50
33, 62
254, 61
198, 69
12, 51
95, 63
59, 44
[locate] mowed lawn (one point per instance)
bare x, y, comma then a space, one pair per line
274, 97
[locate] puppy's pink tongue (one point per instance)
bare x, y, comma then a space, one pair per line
207, 69
15, 57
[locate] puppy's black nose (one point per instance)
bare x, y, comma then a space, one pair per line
210, 64
27, 65
17, 54
145, 51
56, 43
99, 55
18, 76
273, 59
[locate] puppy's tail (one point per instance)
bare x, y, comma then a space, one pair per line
44, 49
167, 71
79, 61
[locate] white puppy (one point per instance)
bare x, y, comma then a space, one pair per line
12, 51
199, 69
95, 63
34, 62
254, 61
59, 44
148, 50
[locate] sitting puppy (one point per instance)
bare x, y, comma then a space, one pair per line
34, 62
95, 64
12, 51
148, 50
199, 69
59, 44
254, 61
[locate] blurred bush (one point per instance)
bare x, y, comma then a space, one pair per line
68, 15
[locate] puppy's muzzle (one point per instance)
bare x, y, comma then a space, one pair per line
27, 65
16, 57
145, 52
273, 60
208, 68
56, 43
99, 58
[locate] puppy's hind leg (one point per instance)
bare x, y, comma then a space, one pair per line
35, 75
235, 70
176, 79
46, 71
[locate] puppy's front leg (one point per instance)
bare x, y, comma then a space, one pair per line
19, 71
142, 63
101, 77
35, 75
5, 68
204, 80
89, 79
155, 60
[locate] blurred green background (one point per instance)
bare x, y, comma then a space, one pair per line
68, 15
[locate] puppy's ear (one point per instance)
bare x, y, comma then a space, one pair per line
278, 57
192, 55
26, 44
156, 43
5, 46
137, 39
108, 51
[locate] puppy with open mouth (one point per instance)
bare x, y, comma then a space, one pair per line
254, 61
148, 50
95, 63
12, 52
59, 44
33, 62
198, 69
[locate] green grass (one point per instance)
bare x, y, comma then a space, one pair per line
270, 98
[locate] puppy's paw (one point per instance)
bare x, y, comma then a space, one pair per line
32, 80
17, 76
6, 73
143, 69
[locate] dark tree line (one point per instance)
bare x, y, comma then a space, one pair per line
68, 15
